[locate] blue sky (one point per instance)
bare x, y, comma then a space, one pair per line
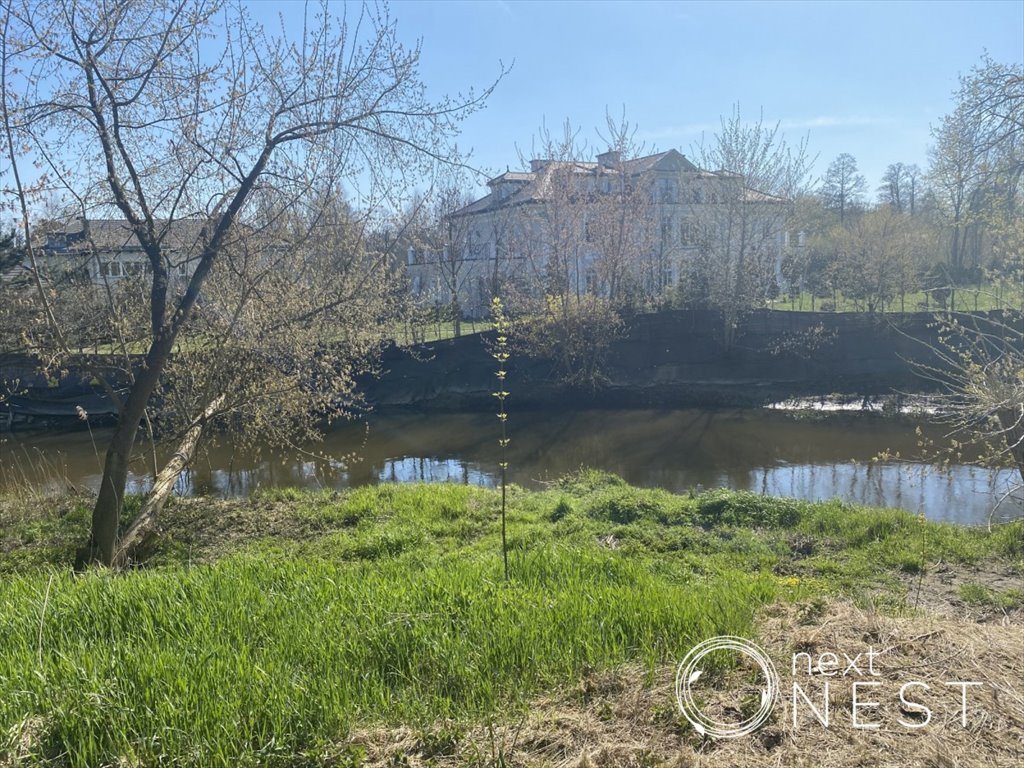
865, 78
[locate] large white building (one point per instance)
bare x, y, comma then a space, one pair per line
605, 227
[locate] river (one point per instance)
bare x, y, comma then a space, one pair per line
766, 451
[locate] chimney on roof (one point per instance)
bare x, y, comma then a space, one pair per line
609, 159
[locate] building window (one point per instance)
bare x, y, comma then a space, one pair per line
688, 233
667, 190
668, 276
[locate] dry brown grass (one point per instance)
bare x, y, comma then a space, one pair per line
622, 719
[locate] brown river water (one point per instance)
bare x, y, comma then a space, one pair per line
765, 451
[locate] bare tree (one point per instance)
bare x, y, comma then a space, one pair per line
992, 95
552, 234
630, 257
289, 320
982, 355
899, 187
443, 240
977, 160
959, 174
842, 186
189, 111
587, 241
741, 211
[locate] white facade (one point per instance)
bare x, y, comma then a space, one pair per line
596, 227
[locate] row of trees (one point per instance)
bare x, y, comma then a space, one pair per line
931, 230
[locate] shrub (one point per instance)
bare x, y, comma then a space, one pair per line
743, 508
625, 505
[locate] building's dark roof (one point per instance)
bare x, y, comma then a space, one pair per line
485, 203
116, 235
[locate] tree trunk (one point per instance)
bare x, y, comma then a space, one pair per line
456, 315
106, 515
956, 256
144, 523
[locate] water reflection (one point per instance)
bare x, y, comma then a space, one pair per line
763, 451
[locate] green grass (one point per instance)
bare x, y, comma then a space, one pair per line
426, 332
965, 299
981, 596
261, 631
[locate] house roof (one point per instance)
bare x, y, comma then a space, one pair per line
531, 186
663, 161
756, 196
512, 176
117, 235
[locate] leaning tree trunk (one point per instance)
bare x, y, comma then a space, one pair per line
144, 523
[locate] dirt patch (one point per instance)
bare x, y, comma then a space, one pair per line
984, 592
629, 719
208, 528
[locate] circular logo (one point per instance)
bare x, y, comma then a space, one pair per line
689, 672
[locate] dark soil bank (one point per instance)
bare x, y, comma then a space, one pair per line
679, 359
668, 359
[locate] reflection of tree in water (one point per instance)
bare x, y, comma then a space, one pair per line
677, 450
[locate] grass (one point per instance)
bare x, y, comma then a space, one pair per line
261, 632
965, 299
983, 596
425, 332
